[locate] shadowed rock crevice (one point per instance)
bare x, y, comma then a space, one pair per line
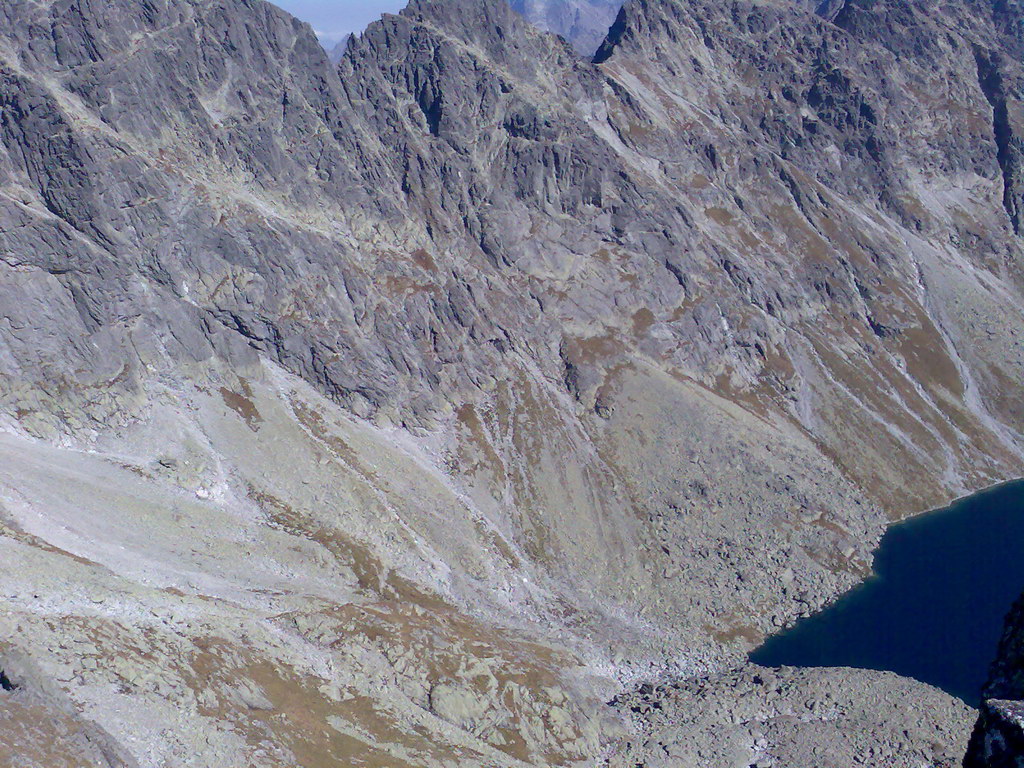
1008, 142
5, 682
615, 33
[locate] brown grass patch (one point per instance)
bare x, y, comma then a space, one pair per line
243, 405
424, 260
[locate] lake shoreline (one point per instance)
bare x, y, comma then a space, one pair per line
932, 607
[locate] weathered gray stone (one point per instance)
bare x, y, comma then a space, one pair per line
636, 356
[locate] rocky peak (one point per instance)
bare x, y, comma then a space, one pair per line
489, 32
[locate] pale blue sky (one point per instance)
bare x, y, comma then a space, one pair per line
333, 19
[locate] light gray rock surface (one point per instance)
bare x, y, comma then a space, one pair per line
828, 718
404, 411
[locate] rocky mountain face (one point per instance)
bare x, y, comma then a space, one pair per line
584, 23
998, 738
407, 411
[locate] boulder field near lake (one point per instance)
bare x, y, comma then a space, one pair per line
475, 401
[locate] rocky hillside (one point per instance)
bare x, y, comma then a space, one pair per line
401, 412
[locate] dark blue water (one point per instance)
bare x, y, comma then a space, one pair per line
934, 610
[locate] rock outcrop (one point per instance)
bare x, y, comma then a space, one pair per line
998, 738
401, 411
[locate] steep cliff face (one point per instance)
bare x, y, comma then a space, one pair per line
580, 370
998, 738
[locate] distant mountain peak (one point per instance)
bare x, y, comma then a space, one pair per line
584, 23
337, 50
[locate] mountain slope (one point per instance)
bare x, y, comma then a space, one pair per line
587, 371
